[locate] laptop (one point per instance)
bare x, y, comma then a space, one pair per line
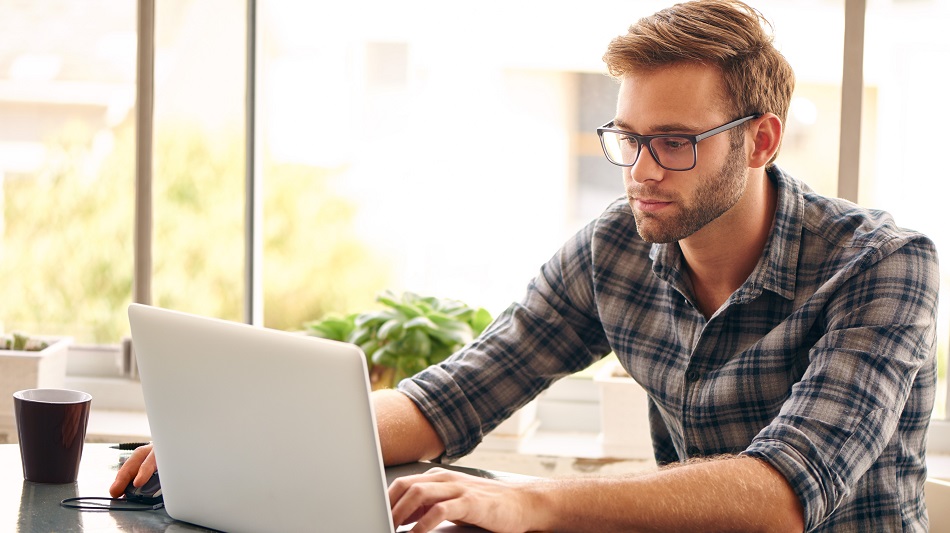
257, 429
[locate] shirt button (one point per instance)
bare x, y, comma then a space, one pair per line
692, 376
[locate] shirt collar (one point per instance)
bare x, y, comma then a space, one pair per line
777, 268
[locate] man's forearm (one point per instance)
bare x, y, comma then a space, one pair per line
405, 434
733, 494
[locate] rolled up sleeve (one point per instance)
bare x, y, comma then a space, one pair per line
854, 401
552, 332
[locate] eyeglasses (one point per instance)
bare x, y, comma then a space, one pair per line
671, 151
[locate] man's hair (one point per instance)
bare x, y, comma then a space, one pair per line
729, 35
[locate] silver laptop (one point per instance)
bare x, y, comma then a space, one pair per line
257, 429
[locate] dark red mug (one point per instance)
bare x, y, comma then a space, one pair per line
51, 426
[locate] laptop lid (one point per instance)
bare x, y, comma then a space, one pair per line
258, 429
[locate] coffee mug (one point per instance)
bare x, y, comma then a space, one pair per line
51, 425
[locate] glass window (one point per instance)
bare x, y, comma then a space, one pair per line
433, 154
423, 146
457, 150
906, 45
67, 91
810, 146
199, 157
903, 44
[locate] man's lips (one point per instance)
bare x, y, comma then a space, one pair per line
650, 205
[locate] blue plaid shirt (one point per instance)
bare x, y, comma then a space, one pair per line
822, 363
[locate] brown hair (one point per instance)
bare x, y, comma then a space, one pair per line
724, 33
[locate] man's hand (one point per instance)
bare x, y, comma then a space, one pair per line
439, 495
719, 494
139, 466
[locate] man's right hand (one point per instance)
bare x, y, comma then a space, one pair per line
139, 466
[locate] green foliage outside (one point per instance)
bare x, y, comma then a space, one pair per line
66, 254
314, 263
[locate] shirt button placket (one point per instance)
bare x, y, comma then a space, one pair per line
692, 376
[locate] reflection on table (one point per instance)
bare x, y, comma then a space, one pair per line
27, 507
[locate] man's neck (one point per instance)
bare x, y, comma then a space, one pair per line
722, 255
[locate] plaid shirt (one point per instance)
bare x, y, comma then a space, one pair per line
822, 363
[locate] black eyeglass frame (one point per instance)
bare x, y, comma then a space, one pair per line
647, 140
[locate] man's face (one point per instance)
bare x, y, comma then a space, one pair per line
671, 205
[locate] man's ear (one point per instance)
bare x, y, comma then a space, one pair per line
766, 134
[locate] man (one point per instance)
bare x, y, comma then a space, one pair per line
786, 340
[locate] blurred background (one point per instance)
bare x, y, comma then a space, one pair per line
442, 148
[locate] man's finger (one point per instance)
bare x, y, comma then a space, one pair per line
419, 498
133, 469
445, 510
146, 470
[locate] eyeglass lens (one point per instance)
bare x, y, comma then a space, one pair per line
674, 153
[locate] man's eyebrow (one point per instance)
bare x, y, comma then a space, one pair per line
676, 127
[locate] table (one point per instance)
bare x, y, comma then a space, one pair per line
27, 507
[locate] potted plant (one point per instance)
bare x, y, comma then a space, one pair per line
410, 333
28, 363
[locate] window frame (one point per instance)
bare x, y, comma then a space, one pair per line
90, 366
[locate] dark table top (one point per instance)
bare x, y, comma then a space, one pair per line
27, 507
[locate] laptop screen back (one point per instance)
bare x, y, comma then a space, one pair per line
257, 429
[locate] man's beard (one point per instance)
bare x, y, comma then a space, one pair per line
715, 195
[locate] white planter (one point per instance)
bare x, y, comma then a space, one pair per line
45, 369
510, 434
624, 422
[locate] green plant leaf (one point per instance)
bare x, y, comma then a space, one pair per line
385, 357
387, 298
369, 348
415, 343
440, 352
319, 330
441, 319
410, 366
460, 312
411, 333
421, 322
454, 333
407, 308
480, 320
375, 317
359, 336
390, 330
19, 341
333, 327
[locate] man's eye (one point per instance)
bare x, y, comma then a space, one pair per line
674, 143
626, 139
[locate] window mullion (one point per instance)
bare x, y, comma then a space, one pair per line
144, 114
253, 244
852, 89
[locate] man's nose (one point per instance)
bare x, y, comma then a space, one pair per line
646, 168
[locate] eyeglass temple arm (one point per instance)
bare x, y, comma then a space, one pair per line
726, 126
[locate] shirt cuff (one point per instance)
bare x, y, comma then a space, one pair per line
442, 402
812, 490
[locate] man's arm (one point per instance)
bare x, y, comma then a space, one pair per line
734, 494
405, 434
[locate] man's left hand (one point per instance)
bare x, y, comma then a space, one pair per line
442, 495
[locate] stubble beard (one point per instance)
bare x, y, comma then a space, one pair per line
715, 195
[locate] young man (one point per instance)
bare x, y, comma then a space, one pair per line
786, 340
